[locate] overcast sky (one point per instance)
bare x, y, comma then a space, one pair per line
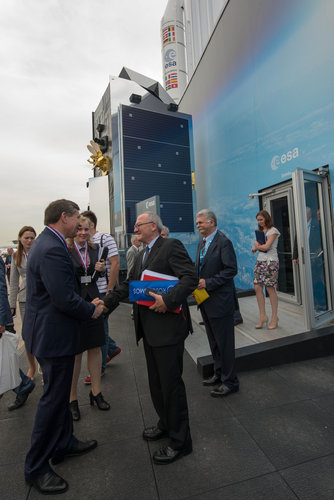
55, 60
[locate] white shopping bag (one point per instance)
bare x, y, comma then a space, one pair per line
9, 362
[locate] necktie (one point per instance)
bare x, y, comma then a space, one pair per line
147, 251
201, 253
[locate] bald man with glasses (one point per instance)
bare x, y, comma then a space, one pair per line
163, 332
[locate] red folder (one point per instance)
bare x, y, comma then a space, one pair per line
148, 275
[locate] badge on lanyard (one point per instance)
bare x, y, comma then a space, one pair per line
85, 279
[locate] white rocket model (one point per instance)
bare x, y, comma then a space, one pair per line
173, 49
185, 30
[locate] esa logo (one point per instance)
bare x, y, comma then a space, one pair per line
169, 58
170, 55
277, 161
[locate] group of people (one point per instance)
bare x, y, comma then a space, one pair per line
64, 317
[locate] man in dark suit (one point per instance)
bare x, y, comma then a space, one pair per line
50, 330
217, 265
163, 333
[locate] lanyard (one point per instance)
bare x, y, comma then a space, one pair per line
60, 236
85, 260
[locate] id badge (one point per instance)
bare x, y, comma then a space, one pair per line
86, 279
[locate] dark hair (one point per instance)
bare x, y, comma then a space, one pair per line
267, 218
91, 216
18, 254
53, 211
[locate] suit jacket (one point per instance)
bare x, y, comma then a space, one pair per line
167, 256
89, 291
18, 282
218, 268
5, 314
131, 255
53, 306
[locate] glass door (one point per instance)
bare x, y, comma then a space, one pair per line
314, 244
279, 204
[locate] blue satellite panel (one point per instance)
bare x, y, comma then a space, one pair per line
155, 126
156, 161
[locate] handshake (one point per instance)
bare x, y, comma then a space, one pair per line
100, 307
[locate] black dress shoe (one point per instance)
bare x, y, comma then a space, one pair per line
167, 455
223, 390
238, 321
153, 433
21, 399
49, 484
79, 448
74, 407
212, 381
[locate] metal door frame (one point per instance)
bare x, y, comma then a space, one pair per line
278, 192
321, 178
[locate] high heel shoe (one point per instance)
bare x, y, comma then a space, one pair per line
74, 407
272, 326
261, 324
99, 400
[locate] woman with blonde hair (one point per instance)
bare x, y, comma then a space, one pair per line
17, 291
266, 269
88, 268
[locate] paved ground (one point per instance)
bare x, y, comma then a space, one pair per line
274, 440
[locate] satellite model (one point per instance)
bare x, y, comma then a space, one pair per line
97, 158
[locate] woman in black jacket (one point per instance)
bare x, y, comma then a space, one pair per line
88, 268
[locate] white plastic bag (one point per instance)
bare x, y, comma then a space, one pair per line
9, 362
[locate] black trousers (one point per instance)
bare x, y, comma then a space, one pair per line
52, 434
168, 393
220, 332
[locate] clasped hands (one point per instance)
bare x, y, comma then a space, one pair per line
100, 307
256, 246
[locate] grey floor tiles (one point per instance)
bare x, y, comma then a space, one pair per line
274, 440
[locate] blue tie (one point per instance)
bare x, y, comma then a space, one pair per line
147, 251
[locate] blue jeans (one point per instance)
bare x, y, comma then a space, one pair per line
26, 384
110, 345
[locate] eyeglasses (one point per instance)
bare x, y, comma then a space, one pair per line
136, 226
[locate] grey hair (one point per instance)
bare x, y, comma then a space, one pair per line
208, 214
165, 228
155, 218
133, 238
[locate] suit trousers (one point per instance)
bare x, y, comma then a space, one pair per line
220, 333
53, 428
168, 393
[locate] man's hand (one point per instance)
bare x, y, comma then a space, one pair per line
98, 311
2, 329
158, 306
201, 283
99, 307
97, 301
